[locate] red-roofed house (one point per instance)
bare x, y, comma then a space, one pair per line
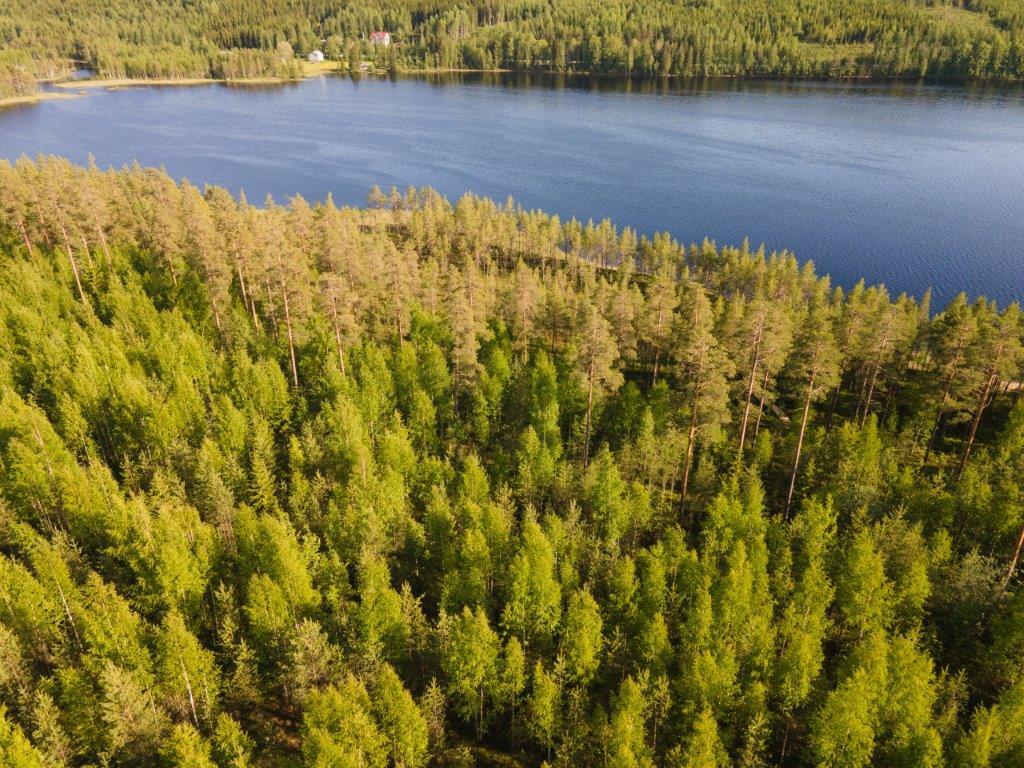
380, 38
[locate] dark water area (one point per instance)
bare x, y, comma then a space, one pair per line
914, 186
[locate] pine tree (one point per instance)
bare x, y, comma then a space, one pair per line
597, 356
705, 749
15, 750
950, 337
543, 708
338, 728
134, 725
187, 674
534, 603
512, 680
582, 640
804, 623
657, 319
863, 592
469, 658
705, 370
814, 367
842, 735
400, 720
765, 336
232, 748
998, 352
186, 748
627, 729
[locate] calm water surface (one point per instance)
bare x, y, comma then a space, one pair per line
913, 186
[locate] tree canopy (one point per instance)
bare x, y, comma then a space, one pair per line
952, 40
433, 484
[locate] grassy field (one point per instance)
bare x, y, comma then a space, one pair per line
312, 69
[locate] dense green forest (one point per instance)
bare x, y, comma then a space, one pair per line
454, 485
938, 39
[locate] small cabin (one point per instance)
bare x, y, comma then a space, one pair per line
380, 38
315, 56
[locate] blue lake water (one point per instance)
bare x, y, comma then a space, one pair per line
913, 186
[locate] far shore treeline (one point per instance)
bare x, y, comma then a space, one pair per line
948, 40
433, 484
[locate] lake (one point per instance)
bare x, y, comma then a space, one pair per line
913, 186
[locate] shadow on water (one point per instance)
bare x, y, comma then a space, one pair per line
616, 84
269, 87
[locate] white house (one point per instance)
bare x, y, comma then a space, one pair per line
315, 56
380, 38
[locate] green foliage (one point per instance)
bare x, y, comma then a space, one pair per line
338, 730
400, 720
376, 530
15, 749
788, 38
470, 658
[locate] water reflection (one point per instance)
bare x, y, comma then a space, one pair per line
693, 85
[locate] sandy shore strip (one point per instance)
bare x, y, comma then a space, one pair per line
310, 69
15, 101
131, 82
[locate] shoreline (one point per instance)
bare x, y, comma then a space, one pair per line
163, 82
113, 83
133, 82
35, 98
311, 70
642, 78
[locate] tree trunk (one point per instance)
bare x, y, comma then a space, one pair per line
893, 393
590, 408
480, 716
170, 268
689, 455
835, 401
939, 415
760, 405
247, 299
86, 251
871, 392
750, 395
785, 741
1016, 557
657, 349
291, 340
271, 309
800, 443
337, 332
860, 395
24, 236
188, 688
103, 240
74, 263
982, 402
67, 608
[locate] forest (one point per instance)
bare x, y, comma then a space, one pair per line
944, 40
433, 484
